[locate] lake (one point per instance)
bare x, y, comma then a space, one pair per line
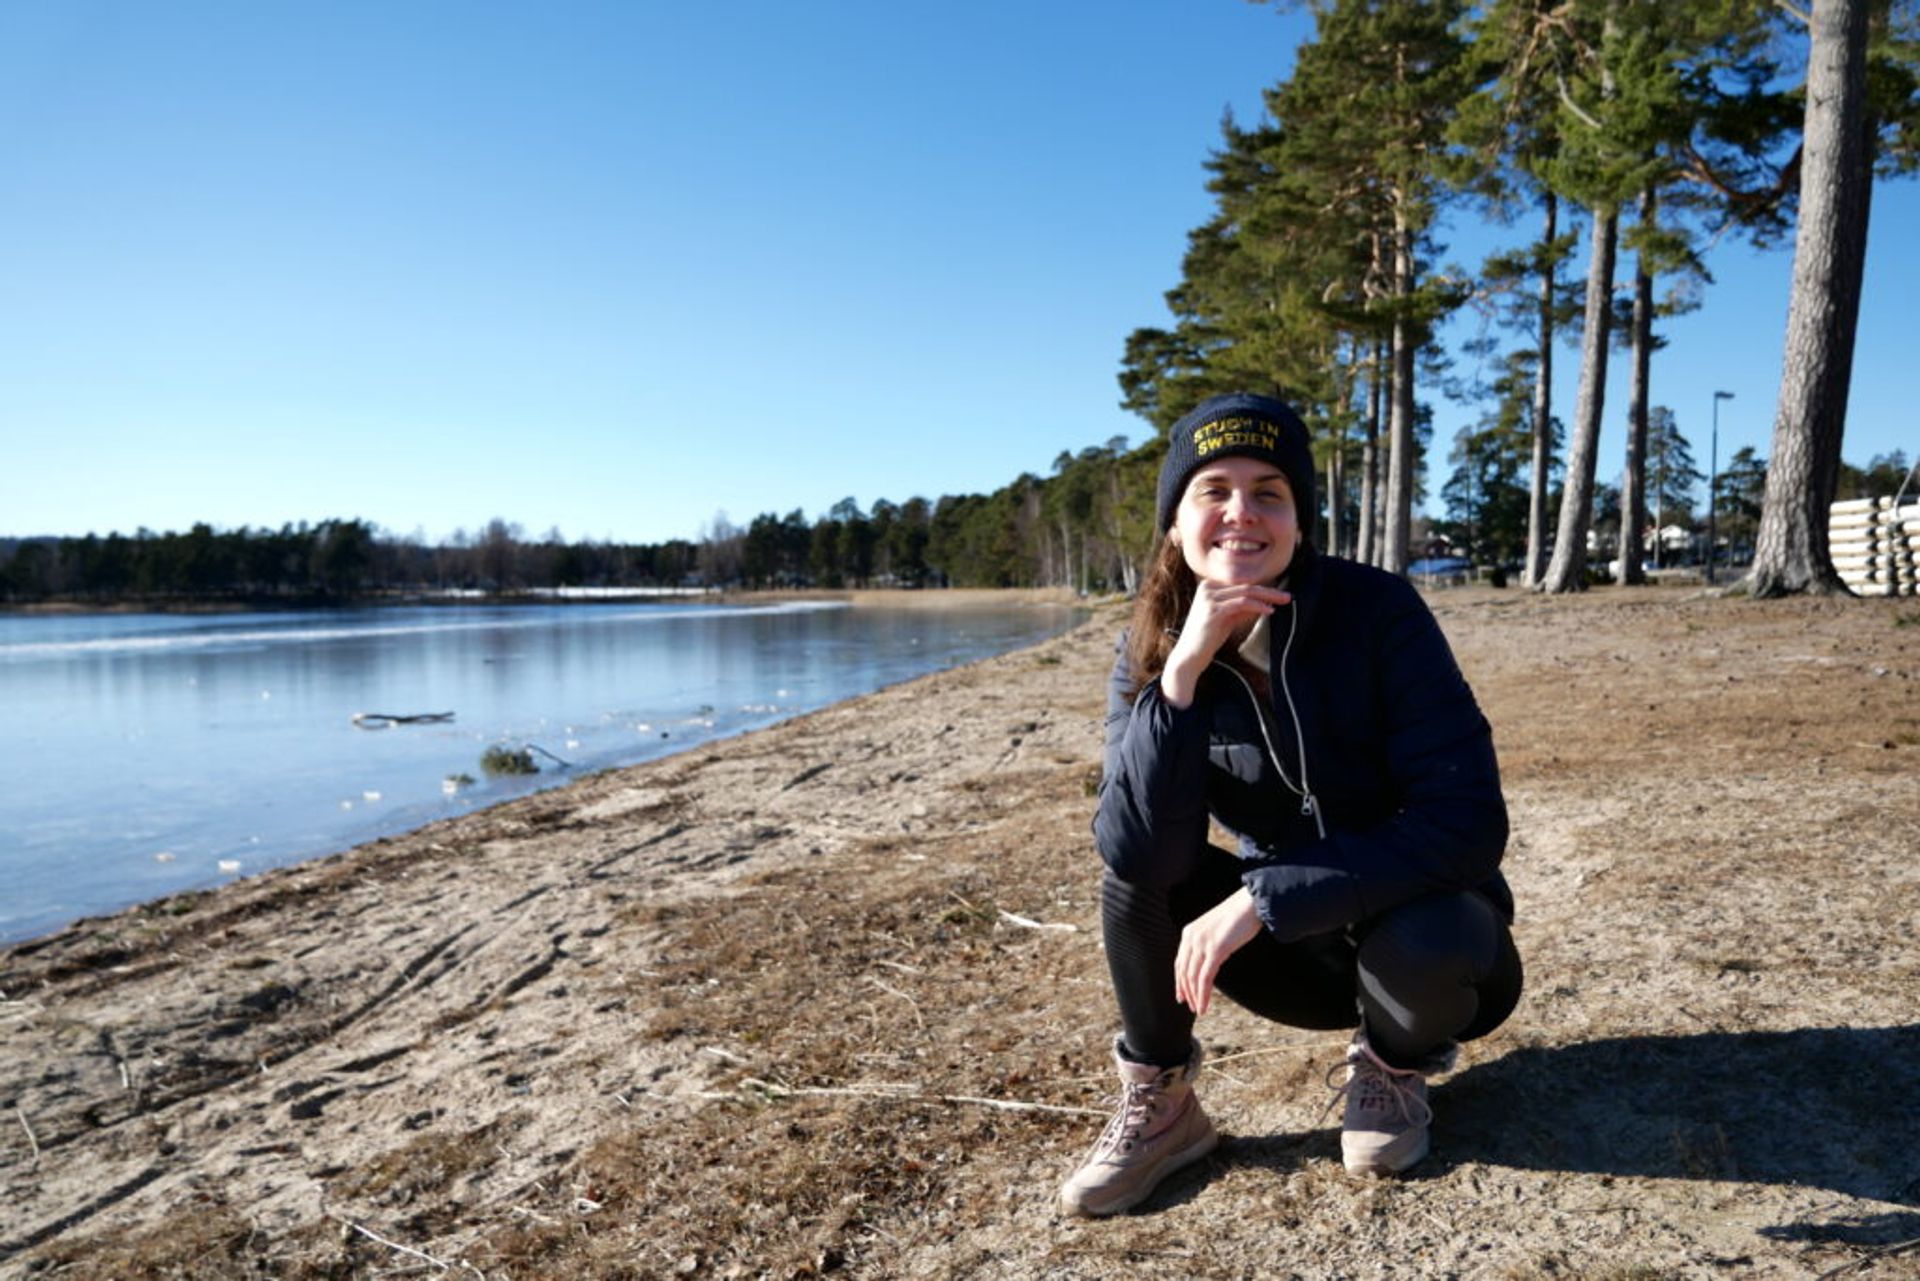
146, 754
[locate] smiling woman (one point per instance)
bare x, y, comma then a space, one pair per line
1237, 522
1311, 706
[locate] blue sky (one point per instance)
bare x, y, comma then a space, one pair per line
615, 267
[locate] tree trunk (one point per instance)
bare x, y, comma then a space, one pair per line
1335, 479
1542, 413
1829, 257
1369, 552
1117, 534
1400, 423
1567, 571
1633, 483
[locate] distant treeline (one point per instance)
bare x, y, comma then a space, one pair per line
332, 560
1085, 527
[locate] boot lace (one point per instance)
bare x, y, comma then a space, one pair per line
1133, 1110
1376, 1089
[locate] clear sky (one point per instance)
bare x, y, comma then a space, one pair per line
614, 267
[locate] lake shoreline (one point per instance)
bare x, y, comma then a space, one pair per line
246, 748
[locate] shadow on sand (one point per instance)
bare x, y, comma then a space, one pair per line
1828, 1108
1817, 1107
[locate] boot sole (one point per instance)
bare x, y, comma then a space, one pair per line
1171, 1165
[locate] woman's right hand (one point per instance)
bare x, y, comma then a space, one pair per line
1218, 613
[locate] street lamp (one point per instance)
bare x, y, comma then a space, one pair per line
1713, 480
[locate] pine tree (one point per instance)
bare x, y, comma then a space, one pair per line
1618, 102
1317, 249
1860, 112
1507, 132
1369, 102
1486, 494
1672, 476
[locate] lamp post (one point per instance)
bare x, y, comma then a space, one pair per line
1713, 481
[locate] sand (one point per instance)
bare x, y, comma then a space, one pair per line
829, 997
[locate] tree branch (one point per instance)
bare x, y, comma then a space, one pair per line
1566, 99
1750, 201
442, 1264
756, 1090
1803, 16
32, 1142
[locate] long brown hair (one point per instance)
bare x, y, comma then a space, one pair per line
1158, 611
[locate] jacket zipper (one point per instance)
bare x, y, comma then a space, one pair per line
1309, 806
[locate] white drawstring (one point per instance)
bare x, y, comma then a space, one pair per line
1308, 805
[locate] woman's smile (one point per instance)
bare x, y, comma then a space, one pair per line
1236, 522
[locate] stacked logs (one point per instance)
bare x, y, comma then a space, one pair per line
1875, 544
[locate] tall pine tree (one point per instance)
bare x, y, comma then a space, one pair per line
1860, 114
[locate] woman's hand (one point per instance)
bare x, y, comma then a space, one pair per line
1219, 610
1206, 943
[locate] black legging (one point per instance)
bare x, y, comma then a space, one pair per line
1430, 971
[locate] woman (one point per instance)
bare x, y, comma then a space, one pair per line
1311, 706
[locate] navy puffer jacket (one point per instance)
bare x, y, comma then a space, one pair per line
1399, 763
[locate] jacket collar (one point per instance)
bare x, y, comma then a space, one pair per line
1306, 578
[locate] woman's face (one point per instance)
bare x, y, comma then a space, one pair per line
1236, 522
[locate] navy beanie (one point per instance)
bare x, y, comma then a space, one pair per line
1243, 425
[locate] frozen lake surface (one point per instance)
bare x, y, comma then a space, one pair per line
145, 754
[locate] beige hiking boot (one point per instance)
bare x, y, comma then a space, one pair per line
1385, 1129
1157, 1128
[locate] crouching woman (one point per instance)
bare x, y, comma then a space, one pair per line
1312, 707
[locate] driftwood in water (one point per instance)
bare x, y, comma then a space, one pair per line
383, 720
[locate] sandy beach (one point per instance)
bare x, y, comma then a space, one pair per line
829, 998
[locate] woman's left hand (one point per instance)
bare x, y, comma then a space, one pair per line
1206, 943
